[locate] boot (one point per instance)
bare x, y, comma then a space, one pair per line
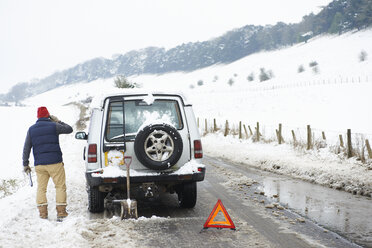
43, 211
61, 212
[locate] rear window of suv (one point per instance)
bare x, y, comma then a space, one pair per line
137, 113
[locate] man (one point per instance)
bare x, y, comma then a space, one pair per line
43, 138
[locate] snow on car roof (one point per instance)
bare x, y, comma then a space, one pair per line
98, 101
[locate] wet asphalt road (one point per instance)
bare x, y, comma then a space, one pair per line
258, 222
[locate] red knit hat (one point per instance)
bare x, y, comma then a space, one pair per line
42, 112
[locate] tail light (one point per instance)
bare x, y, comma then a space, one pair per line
198, 151
92, 153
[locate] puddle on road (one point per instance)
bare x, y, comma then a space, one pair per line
339, 211
342, 212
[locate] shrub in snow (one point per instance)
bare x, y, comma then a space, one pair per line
235, 75
8, 187
300, 69
192, 86
200, 82
122, 82
215, 78
319, 143
313, 63
250, 77
359, 147
314, 66
231, 81
265, 75
363, 56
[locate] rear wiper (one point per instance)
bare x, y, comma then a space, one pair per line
121, 136
116, 137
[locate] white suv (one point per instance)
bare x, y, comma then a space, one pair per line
161, 140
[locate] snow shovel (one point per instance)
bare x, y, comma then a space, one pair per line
128, 206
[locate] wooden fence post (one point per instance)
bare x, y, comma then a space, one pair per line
280, 134
258, 131
277, 135
349, 145
206, 127
245, 130
214, 125
198, 122
341, 141
240, 130
226, 128
250, 130
323, 135
368, 149
294, 138
308, 137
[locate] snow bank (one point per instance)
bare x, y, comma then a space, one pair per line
321, 167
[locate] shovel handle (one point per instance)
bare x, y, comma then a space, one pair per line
129, 159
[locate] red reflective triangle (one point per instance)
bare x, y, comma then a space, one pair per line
228, 223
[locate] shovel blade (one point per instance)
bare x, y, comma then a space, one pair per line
128, 209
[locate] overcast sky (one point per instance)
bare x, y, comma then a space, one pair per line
39, 37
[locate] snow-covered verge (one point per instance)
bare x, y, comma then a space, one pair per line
318, 166
19, 221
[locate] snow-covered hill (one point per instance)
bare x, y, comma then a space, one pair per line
335, 98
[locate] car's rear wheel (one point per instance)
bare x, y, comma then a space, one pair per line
187, 195
95, 200
158, 147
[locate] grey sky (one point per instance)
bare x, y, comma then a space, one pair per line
39, 37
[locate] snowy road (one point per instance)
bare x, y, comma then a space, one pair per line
169, 226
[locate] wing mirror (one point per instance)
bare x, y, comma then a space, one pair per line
81, 136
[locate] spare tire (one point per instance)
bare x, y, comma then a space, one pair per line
158, 146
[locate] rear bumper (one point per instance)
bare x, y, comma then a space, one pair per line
94, 181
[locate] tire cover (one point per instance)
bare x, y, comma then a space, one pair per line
158, 146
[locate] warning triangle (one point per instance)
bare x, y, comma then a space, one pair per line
212, 221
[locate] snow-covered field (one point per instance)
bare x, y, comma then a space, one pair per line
333, 100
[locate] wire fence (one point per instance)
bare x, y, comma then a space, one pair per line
322, 81
274, 84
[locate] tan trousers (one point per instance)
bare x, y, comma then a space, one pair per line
57, 173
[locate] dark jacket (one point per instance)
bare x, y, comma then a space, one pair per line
43, 138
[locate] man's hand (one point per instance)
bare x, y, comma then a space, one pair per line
54, 118
27, 169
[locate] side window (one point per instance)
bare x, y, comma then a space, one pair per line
137, 114
114, 126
